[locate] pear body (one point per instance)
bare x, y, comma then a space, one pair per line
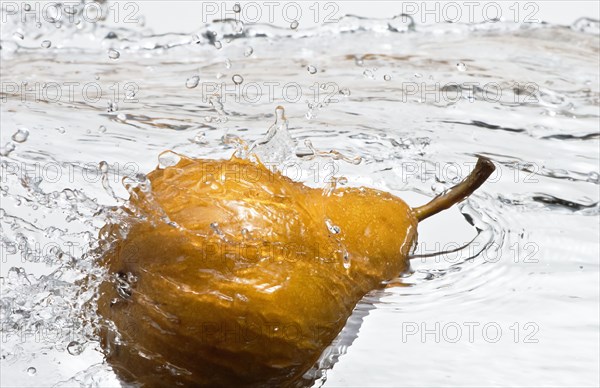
251, 277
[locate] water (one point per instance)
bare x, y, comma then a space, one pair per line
505, 287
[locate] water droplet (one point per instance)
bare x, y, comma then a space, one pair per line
31, 371
192, 82
21, 135
113, 54
237, 79
418, 75
333, 229
227, 63
280, 114
358, 61
102, 129
200, 139
461, 66
18, 35
74, 348
103, 167
387, 77
346, 257
7, 149
46, 44
112, 106
130, 95
38, 25
368, 73
311, 69
594, 177
237, 8
27, 7
249, 50
238, 29
61, 130
168, 159
215, 101
215, 227
218, 44
111, 35
294, 25
345, 91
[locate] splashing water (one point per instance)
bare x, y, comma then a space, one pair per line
520, 256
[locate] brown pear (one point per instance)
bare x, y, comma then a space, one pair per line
233, 275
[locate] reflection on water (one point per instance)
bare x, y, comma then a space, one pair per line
84, 106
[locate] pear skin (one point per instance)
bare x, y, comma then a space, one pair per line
251, 276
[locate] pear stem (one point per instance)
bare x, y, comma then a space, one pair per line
483, 169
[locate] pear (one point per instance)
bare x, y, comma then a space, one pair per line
233, 275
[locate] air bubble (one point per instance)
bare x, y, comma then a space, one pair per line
46, 44
387, 77
31, 371
461, 66
192, 82
21, 135
294, 25
237, 79
311, 69
249, 50
113, 54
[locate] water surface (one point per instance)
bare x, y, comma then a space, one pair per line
505, 287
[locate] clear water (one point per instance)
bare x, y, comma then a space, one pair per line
505, 287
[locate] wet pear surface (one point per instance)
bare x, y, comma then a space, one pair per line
251, 276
